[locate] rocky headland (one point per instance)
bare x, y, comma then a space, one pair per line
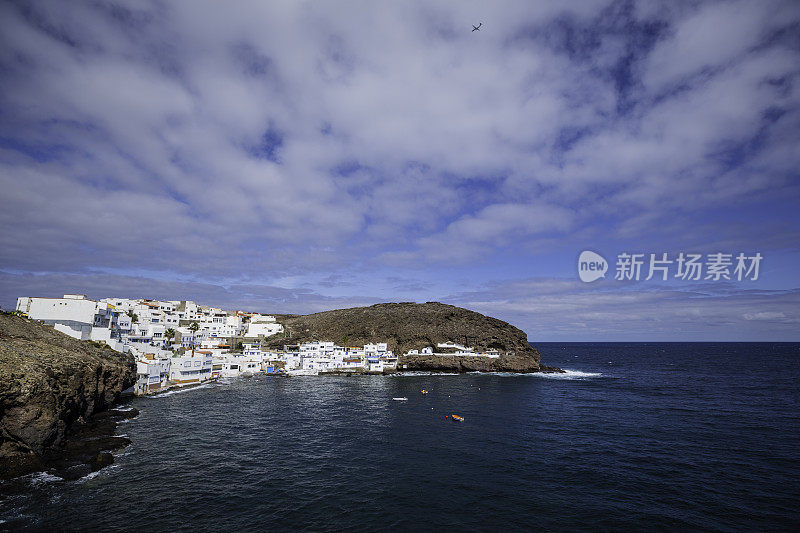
56, 395
413, 326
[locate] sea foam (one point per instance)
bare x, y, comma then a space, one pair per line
567, 374
92, 475
40, 478
417, 373
178, 391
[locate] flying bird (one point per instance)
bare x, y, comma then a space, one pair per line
478, 27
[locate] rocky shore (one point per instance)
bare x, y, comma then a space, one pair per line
56, 393
461, 364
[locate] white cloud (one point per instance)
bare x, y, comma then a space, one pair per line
563, 310
495, 226
714, 35
135, 137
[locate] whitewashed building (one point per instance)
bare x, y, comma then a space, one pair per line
188, 369
77, 316
152, 374
325, 356
263, 325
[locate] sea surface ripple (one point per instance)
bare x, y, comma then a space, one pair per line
700, 436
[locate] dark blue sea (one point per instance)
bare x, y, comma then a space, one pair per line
635, 437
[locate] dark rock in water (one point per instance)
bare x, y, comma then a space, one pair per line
101, 460
525, 362
88, 445
407, 326
50, 385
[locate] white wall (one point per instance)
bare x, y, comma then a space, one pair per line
76, 330
100, 334
254, 329
62, 309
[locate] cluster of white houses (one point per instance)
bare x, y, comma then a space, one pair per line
162, 369
139, 325
179, 343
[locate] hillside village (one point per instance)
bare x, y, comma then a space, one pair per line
180, 343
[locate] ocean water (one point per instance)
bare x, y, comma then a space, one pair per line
635, 436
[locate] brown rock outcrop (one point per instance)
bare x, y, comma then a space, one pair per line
50, 382
407, 326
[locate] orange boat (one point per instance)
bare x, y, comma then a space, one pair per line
457, 418
424, 391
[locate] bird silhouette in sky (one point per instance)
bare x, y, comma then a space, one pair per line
478, 27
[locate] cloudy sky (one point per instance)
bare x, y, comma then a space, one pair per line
302, 156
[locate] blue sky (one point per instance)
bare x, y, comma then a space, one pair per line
303, 156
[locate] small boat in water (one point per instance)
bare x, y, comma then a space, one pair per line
456, 418
400, 399
424, 391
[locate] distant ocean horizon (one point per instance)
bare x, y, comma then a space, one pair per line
635, 435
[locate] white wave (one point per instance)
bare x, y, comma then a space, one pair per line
568, 374
170, 392
39, 478
422, 373
124, 409
92, 475
87, 477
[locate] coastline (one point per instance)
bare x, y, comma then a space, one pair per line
543, 369
62, 397
57, 393
88, 446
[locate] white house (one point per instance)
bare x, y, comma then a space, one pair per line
375, 349
325, 356
188, 338
460, 350
374, 364
452, 345
263, 325
75, 315
151, 373
187, 369
228, 365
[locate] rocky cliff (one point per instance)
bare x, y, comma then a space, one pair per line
406, 326
50, 384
